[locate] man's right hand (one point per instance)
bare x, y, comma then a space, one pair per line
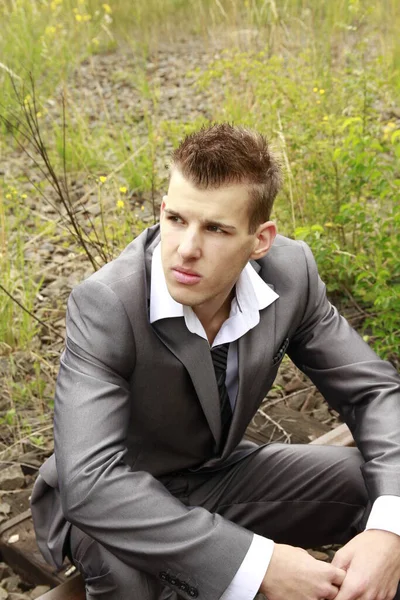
293, 574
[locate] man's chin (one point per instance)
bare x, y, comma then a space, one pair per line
187, 297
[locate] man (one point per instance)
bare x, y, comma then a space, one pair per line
170, 350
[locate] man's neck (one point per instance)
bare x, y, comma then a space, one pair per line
212, 318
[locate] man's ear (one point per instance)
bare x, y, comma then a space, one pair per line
264, 238
164, 200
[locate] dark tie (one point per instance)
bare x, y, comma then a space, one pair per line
219, 356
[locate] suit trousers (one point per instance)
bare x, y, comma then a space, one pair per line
303, 495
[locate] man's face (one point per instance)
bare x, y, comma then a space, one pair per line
205, 242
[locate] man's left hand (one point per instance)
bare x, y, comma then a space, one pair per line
372, 563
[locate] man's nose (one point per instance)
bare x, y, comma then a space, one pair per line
189, 246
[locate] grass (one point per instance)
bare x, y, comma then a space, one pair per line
49, 37
17, 328
321, 78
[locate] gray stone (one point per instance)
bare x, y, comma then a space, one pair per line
18, 596
5, 508
3, 594
319, 555
11, 478
38, 591
11, 583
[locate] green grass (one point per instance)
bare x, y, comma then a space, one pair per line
340, 153
49, 37
17, 328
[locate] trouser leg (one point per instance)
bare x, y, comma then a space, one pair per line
108, 578
303, 495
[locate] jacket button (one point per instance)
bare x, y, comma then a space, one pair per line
193, 593
173, 580
183, 586
164, 575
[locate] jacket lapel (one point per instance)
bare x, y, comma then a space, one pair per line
194, 353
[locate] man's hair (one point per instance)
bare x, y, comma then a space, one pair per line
224, 154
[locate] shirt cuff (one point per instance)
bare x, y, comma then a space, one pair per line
247, 581
385, 514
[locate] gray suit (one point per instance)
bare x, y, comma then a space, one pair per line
136, 403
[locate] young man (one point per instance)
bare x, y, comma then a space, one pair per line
170, 350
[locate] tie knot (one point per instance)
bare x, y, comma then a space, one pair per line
219, 356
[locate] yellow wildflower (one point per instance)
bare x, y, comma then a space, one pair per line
50, 30
78, 18
86, 17
388, 129
8, 196
24, 196
315, 89
120, 204
38, 114
102, 178
75, 10
318, 101
322, 92
107, 8
95, 42
325, 118
81, 1
142, 207
123, 189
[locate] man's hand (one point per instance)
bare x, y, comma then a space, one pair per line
372, 563
293, 574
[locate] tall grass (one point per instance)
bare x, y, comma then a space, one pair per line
49, 37
17, 328
341, 174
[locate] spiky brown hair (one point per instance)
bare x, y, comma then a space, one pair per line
224, 154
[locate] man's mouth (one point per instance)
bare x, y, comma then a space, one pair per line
185, 276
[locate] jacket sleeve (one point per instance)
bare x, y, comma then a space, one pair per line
130, 513
364, 389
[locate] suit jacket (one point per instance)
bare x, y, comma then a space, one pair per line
136, 402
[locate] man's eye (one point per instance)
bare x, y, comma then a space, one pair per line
215, 229
174, 219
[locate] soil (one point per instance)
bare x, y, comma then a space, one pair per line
294, 411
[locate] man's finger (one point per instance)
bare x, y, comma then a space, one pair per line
332, 593
351, 590
340, 561
339, 576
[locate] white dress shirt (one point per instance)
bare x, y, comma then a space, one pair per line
252, 296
